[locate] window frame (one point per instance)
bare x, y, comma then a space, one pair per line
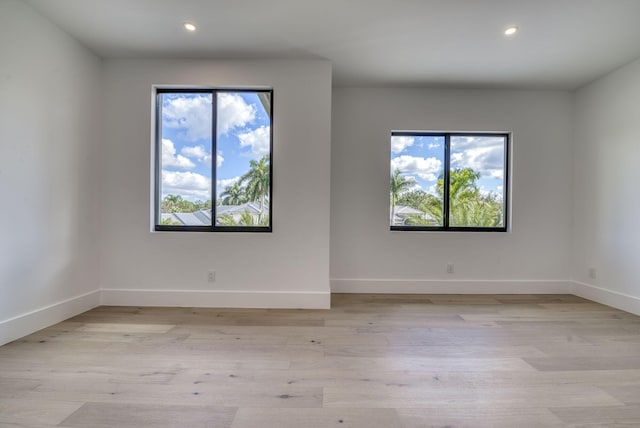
447, 172
214, 91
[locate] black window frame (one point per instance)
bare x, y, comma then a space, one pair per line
158, 227
447, 169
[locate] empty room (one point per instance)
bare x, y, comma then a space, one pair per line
361, 213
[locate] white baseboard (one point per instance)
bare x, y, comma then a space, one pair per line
607, 297
25, 324
393, 286
217, 298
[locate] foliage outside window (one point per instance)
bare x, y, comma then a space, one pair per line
213, 160
449, 181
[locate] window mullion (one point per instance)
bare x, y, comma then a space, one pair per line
446, 184
214, 157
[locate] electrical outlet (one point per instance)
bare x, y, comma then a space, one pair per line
592, 273
450, 268
211, 276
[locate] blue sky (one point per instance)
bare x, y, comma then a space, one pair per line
243, 132
421, 159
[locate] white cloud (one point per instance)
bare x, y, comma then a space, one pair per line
488, 192
497, 173
199, 153
425, 168
189, 185
169, 157
399, 143
258, 140
233, 112
191, 114
482, 154
433, 145
414, 184
456, 158
224, 183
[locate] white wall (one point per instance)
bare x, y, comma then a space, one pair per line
75, 171
286, 268
533, 257
49, 136
606, 179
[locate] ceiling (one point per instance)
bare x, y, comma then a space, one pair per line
562, 44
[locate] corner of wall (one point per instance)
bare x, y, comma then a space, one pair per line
622, 301
30, 322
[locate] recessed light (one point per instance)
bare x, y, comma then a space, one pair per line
189, 26
511, 30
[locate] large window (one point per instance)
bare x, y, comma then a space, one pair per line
449, 181
213, 160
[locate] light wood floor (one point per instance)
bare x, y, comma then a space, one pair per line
371, 361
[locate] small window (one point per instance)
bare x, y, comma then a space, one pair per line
213, 160
449, 181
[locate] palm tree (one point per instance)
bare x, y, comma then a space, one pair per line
169, 222
247, 219
171, 203
257, 180
467, 206
234, 195
226, 220
398, 185
433, 206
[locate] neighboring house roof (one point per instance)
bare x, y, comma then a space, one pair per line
188, 218
251, 207
403, 212
203, 217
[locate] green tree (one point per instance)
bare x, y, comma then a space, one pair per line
413, 199
462, 185
467, 205
169, 222
176, 204
226, 220
234, 195
171, 203
398, 184
257, 181
200, 205
246, 219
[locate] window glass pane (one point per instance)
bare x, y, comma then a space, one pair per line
477, 181
416, 181
185, 159
243, 159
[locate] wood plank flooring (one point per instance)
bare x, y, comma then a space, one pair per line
371, 361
